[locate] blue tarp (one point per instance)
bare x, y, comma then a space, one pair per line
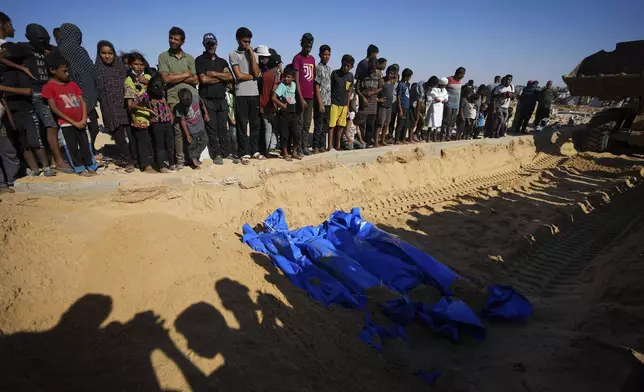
338, 261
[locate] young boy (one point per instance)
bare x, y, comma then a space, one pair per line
385, 102
304, 65
289, 123
341, 82
18, 91
31, 57
66, 102
245, 66
189, 111
323, 99
352, 137
368, 88
404, 115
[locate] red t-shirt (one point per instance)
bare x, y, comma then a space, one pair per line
305, 66
67, 97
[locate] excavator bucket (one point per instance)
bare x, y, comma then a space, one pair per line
610, 75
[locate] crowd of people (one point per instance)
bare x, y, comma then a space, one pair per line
252, 106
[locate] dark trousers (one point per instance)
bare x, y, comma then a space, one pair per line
403, 124
9, 160
163, 142
217, 127
289, 124
370, 128
141, 141
93, 126
523, 119
247, 114
78, 147
123, 139
197, 144
306, 116
449, 119
321, 127
543, 111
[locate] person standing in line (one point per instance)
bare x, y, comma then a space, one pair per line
31, 56
404, 115
268, 84
451, 109
6, 28
437, 97
323, 99
245, 66
81, 71
161, 124
491, 87
394, 112
17, 89
65, 98
368, 87
341, 84
385, 103
363, 66
214, 74
304, 65
527, 103
177, 69
417, 105
545, 98
111, 74
284, 99
502, 95
140, 115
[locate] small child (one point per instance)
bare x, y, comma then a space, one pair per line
351, 137
462, 122
66, 102
479, 126
471, 116
284, 98
161, 124
189, 111
135, 89
404, 107
17, 87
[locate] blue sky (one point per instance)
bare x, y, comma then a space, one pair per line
538, 40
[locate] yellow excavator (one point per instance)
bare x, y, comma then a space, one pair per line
616, 76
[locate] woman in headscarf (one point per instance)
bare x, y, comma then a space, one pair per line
81, 71
110, 78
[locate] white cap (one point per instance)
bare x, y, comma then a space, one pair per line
443, 81
262, 50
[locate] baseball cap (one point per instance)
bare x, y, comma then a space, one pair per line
209, 37
262, 50
307, 37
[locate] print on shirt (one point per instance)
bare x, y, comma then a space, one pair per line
70, 100
308, 72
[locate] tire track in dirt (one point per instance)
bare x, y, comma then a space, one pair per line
554, 268
418, 198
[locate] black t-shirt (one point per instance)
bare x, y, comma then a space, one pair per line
205, 63
341, 82
24, 53
17, 102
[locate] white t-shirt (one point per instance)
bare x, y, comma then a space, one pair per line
502, 101
471, 111
2, 41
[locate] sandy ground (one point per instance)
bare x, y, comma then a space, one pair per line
149, 287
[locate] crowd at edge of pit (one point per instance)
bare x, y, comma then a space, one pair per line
249, 107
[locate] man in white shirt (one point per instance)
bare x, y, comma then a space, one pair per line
502, 94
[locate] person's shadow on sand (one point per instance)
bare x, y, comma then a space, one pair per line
78, 355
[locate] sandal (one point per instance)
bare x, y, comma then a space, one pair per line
245, 160
259, 156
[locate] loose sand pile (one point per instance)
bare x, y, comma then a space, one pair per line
233, 322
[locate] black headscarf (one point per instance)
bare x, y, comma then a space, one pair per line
81, 68
110, 79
